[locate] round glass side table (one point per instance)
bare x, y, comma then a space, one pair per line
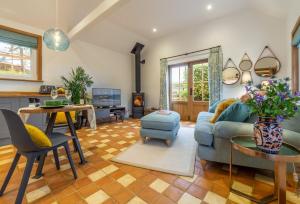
287, 154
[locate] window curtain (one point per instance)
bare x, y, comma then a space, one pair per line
215, 65
164, 96
18, 39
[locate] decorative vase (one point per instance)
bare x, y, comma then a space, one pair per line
268, 135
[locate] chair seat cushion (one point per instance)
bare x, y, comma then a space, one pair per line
159, 121
38, 136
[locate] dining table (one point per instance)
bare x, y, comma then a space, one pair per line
25, 112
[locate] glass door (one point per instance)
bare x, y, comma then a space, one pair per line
178, 77
189, 93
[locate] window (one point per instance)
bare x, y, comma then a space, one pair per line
20, 55
200, 82
179, 82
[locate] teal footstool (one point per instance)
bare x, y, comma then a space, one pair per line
160, 126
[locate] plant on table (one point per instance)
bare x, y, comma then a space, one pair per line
77, 83
273, 102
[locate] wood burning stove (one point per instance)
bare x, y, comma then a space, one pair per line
138, 105
138, 99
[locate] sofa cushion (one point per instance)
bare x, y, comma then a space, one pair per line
228, 129
213, 107
293, 123
221, 107
236, 112
159, 121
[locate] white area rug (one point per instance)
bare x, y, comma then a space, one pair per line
178, 159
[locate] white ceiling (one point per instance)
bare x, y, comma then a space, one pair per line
133, 21
172, 15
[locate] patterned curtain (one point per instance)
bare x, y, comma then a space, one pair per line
215, 64
164, 99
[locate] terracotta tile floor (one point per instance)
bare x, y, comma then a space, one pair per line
103, 181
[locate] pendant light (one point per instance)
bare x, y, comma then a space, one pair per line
55, 38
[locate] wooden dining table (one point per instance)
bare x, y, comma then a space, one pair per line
26, 111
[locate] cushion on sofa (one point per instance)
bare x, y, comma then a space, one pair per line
228, 129
221, 107
204, 133
213, 107
236, 112
160, 122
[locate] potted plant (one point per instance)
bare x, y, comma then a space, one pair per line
77, 83
273, 102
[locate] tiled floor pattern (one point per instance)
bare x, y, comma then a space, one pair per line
103, 181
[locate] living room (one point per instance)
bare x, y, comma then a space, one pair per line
157, 101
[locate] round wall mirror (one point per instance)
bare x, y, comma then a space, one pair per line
267, 65
246, 63
231, 74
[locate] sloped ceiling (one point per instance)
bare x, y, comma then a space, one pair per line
134, 20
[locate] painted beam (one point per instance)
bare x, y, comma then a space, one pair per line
103, 8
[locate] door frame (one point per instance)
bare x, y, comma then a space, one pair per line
190, 101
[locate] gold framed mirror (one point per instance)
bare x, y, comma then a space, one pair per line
246, 63
267, 64
231, 74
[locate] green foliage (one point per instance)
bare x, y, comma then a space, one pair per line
273, 99
77, 83
200, 79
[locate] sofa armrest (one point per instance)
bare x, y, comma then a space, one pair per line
228, 129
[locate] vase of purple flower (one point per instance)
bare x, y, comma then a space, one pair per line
268, 134
273, 102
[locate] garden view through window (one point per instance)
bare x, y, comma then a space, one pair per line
16, 60
179, 82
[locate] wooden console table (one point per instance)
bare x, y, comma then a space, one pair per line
287, 154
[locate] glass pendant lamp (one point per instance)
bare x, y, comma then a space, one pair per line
55, 38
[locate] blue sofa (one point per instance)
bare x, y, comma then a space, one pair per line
214, 139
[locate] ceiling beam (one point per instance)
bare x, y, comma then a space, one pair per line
103, 8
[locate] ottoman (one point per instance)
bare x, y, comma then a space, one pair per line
160, 126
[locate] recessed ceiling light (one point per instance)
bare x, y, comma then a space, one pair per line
209, 7
154, 30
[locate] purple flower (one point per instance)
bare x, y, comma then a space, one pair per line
281, 95
270, 81
297, 93
259, 98
280, 118
248, 88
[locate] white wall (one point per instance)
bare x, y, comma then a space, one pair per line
110, 69
247, 31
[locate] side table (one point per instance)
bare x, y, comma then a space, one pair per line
287, 154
